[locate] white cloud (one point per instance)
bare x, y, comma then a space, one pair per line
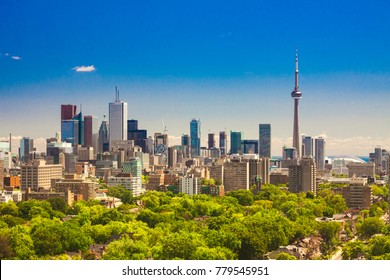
84, 68
16, 57
6, 54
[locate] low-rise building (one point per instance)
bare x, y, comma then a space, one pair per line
77, 186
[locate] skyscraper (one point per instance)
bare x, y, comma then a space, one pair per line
211, 141
235, 142
185, 142
90, 132
26, 147
296, 94
103, 137
138, 135
265, 140
70, 131
117, 119
69, 127
307, 146
223, 142
195, 137
320, 153
68, 112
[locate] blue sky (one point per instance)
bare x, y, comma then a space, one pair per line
228, 63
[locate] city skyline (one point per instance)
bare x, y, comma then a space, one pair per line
229, 65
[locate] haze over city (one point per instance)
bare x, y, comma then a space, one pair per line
230, 65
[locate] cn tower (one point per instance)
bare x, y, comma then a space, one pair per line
296, 94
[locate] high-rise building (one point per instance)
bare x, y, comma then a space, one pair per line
302, 176
376, 157
235, 142
250, 146
211, 141
265, 140
236, 175
91, 132
138, 135
320, 153
134, 167
68, 112
223, 142
26, 147
117, 119
103, 140
185, 142
172, 157
132, 125
296, 94
70, 131
161, 146
70, 128
195, 137
80, 128
307, 146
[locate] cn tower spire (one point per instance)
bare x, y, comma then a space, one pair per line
296, 70
296, 94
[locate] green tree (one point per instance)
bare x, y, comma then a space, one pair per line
127, 249
9, 208
329, 232
244, 197
218, 253
58, 204
181, 245
285, 256
370, 226
352, 249
6, 251
46, 235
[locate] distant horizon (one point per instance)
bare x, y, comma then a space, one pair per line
231, 65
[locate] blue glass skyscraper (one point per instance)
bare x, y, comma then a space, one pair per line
235, 142
195, 137
265, 140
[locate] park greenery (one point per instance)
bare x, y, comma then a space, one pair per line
166, 226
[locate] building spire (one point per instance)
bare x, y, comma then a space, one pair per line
296, 70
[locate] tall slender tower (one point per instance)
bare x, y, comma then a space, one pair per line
296, 94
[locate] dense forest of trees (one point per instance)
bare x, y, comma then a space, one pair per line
158, 225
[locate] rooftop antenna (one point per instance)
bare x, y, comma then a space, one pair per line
116, 94
296, 69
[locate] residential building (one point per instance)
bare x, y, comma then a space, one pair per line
320, 153
302, 176
195, 137
37, 175
236, 175
307, 146
77, 186
189, 185
358, 194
